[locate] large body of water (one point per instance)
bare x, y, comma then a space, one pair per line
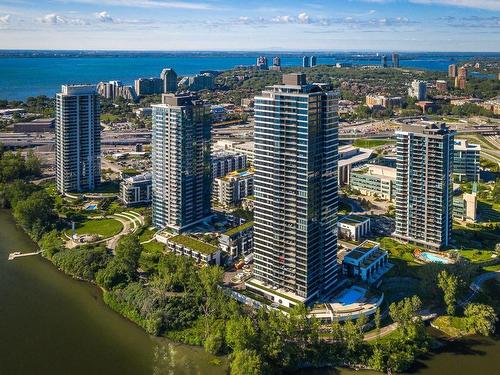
51, 324
22, 76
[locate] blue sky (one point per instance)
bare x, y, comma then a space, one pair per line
385, 25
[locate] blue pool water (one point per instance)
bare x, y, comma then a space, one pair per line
91, 207
350, 296
434, 258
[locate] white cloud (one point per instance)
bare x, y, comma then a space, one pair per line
104, 17
4, 20
303, 18
283, 19
147, 4
481, 4
56, 19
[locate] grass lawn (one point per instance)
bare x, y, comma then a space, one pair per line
102, 227
453, 326
108, 117
372, 143
153, 247
146, 234
108, 187
344, 208
493, 268
476, 256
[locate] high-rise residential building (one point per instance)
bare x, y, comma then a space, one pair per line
452, 71
461, 78
313, 61
148, 86
462, 72
424, 185
115, 89
181, 164
466, 158
296, 194
276, 61
262, 63
306, 62
418, 90
441, 85
78, 139
395, 60
169, 78
383, 61
205, 81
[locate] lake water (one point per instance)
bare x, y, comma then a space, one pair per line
51, 324
21, 77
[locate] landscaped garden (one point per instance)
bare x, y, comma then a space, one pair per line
101, 227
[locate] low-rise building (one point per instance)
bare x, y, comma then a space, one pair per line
136, 190
201, 252
465, 207
42, 125
238, 241
466, 158
373, 100
229, 190
351, 157
353, 227
375, 180
225, 162
366, 262
441, 85
218, 113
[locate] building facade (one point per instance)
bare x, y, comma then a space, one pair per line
229, 190
375, 180
395, 60
78, 139
296, 193
137, 190
169, 78
424, 188
418, 90
148, 86
466, 158
354, 227
226, 162
366, 262
181, 163
238, 241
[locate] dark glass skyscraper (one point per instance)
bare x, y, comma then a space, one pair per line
296, 197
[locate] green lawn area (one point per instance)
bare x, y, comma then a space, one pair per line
146, 234
372, 143
453, 326
344, 208
239, 228
102, 227
153, 247
488, 211
492, 268
476, 256
108, 117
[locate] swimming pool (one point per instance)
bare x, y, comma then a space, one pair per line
430, 257
91, 207
350, 296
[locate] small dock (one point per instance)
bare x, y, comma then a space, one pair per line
17, 254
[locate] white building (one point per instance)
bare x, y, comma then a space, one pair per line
78, 139
351, 157
418, 90
353, 227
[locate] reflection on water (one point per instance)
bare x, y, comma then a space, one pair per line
177, 359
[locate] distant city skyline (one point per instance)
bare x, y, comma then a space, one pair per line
219, 25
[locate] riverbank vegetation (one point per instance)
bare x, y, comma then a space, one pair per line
170, 296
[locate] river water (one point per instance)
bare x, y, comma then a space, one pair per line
52, 324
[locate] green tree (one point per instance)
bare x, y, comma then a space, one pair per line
117, 272
51, 243
214, 342
449, 284
241, 334
246, 362
480, 319
35, 214
129, 250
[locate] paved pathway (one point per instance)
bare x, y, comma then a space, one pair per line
475, 286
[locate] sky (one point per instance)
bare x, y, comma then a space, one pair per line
236, 25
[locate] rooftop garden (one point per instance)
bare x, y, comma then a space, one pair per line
239, 228
194, 244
